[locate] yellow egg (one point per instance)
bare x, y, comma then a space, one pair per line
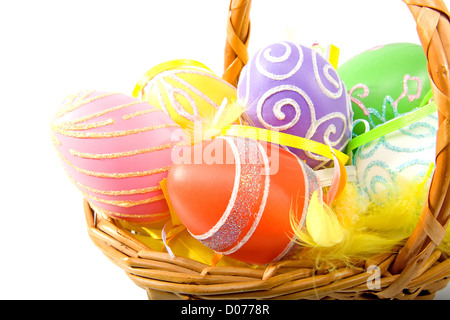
186, 90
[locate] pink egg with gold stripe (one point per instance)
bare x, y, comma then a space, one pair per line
116, 149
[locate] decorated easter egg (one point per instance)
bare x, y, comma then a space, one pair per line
186, 90
291, 88
385, 82
406, 152
235, 196
116, 149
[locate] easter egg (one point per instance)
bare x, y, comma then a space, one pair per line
186, 90
235, 196
406, 153
116, 149
292, 89
385, 82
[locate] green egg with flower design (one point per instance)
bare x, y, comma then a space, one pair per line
385, 82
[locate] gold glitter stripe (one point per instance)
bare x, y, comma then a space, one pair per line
122, 215
103, 112
114, 175
139, 113
112, 134
75, 105
88, 92
124, 203
55, 140
121, 175
87, 126
118, 154
115, 192
71, 98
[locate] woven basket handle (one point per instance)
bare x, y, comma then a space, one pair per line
433, 28
238, 32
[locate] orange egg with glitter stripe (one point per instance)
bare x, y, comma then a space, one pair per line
236, 196
116, 149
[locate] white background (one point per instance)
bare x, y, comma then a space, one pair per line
50, 49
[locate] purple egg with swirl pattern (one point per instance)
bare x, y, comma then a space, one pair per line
293, 89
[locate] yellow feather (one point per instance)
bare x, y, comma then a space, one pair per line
362, 227
322, 224
213, 123
228, 113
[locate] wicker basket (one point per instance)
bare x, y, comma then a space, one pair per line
415, 271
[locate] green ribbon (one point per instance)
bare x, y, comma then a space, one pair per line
425, 109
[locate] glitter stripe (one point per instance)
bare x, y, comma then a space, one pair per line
75, 105
112, 134
325, 70
158, 92
285, 58
124, 203
280, 103
121, 175
114, 175
159, 215
86, 126
261, 207
88, 92
173, 83
86, 155
114, 192
139, 113
232, 201
105, 111
164, 214
55, 140
247, 198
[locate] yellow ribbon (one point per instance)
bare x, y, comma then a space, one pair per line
334, 56
285, 139
150, 74
174, 229
330, 52
172, 236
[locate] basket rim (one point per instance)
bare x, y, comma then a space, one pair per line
162, 275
